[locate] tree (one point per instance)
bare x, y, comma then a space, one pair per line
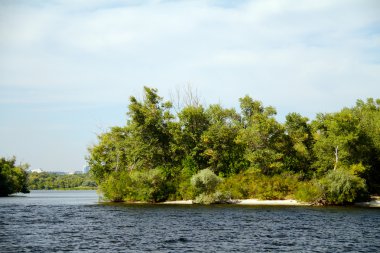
299, 153
144, 143
13, 178
149, 124
262, 136
48, 181
332, 131
187, 144
154, 156
115, 151
369, 154
225, 156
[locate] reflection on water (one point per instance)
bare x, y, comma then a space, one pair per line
51, 221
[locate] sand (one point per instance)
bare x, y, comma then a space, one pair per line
178, 202
288, 202
372, 203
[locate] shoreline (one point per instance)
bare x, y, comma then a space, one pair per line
375, 203
258, 202
252, 202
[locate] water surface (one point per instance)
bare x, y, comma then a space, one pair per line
74, 221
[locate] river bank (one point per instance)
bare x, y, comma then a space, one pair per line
286, 202
375, 202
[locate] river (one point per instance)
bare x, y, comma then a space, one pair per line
74, 221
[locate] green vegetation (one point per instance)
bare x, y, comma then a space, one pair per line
51, 181
205, 183
13, 178
213, 154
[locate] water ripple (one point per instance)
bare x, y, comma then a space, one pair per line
81, 226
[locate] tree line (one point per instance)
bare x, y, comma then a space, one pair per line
212, 153
52, 181
14, 179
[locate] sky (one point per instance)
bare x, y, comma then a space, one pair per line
68, 67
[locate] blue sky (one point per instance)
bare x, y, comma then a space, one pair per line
68, 67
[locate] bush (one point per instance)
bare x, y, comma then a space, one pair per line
212, 198
205, 181
311, 192
253, 184
204, 184
116, 187
149, 186
274, 187
237, 186
337, 187
342, 187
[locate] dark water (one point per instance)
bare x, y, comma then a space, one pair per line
73, 221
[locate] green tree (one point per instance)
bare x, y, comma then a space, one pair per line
337, 137
224, 155
48, 181
187, 144
158, 155
149, 123
116, 150
369, 154
13, 178
299, 154
350, 137
262, 136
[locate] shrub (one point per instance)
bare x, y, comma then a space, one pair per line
204, 184
212, 198
149, 186
236, 186
274, 187
183, 187
253, 184
311, 192
335, 188
116, 187
341, 187
205, 181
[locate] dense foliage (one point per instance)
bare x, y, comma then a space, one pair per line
160, 155
49, 181
13, 178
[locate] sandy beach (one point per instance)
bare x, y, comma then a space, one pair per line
372, 203
178, 202
288, 202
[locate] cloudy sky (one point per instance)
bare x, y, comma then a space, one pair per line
68, 67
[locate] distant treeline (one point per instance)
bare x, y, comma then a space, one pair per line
50, 181
212, 154
15, 179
